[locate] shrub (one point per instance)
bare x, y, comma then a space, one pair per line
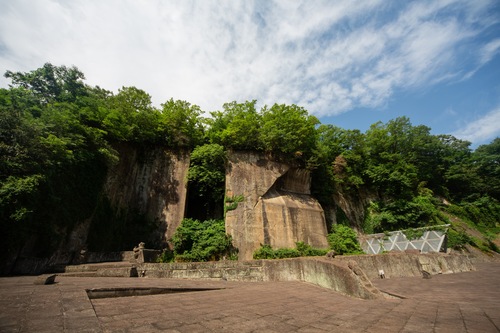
301, 250
265, 252
201, 241
343, 240
457, 239
307, 250
166, 256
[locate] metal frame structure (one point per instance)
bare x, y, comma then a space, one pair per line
430, 241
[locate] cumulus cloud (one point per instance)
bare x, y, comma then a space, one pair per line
327, 56
482, 130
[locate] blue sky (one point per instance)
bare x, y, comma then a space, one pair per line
350, 63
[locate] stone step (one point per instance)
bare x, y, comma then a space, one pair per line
79, 274
96, 266
106, 269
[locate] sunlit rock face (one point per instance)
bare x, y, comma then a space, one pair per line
151, 182
276, 208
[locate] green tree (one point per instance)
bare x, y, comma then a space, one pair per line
206, 178
289, 130
51, 83
131, 117
237, 127
486, 162
183, 123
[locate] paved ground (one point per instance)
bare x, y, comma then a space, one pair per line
465, 302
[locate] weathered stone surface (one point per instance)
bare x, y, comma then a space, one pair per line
152, 182
466, 302
45, 279
330, 274
277, 208
353, 206
410, 265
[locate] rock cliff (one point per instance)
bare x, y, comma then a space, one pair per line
152, 182
276, 209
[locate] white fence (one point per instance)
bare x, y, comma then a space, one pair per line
431, 240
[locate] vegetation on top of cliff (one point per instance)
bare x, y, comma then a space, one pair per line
57, 135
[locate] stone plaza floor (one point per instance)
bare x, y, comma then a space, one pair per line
463, 302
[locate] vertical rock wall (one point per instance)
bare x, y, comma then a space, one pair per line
153, 182
277, 208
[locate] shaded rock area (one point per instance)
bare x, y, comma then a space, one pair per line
277, 207
352, 205
151, 182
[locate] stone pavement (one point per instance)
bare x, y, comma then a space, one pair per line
463, 302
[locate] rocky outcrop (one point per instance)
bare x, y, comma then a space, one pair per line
152, 182
352, 204
276, 207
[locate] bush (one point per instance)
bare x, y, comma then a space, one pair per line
265, 252
166, 256
482, 214
457, 239
307, 250
343, 240
202, 241
301, 250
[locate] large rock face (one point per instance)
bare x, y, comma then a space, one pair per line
277, 208
152, 182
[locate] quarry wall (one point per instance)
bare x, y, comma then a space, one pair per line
152, 182
277, 208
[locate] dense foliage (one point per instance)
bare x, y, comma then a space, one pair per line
202, 241
343, 240
57, 136
206, 177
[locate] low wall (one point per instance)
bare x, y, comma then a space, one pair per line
337, 276
94, 257
402, 264
215, 270
349, 275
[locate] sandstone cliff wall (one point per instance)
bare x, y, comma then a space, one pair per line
277, 208
152, 182
352, 204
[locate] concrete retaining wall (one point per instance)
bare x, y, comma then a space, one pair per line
335, 275
410, 264
349, 275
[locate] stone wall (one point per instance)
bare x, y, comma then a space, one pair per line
277, 207
349, 275
335, 275
400, 264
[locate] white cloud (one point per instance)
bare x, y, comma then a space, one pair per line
326, 56
490, 50
483, 129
